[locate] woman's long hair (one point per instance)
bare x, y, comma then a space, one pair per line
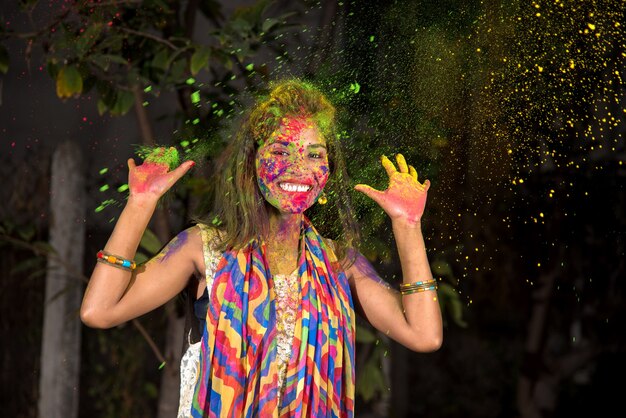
239, 210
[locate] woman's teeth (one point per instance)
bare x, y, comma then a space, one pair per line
292, 187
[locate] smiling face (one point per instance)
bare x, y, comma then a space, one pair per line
292, 166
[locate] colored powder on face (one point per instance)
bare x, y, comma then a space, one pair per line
293, 162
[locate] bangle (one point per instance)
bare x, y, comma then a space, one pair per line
116, 261
409, 288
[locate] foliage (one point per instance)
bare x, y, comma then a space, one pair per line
126, 49
371, 381
24, 237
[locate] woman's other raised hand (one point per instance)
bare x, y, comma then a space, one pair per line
405, 197
150, 180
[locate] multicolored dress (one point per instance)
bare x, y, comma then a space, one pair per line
275, 346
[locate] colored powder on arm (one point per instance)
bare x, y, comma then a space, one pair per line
173, 246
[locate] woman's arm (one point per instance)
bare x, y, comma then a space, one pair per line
413, 320
115, 295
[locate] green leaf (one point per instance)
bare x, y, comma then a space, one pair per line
241, 26
251, 14
44, 246
268, 24
4, 60
69, 82
150, 242
370, 380
102, 107
52, 68
112, 43
124, 100
37, 273
199, 59
26, 232
160, 60
451, 304
27, 265
104, 61
88, 38
107, 94
226, 60
178, 71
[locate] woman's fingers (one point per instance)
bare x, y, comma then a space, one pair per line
131, 164
388, 165
375, 195
402, 166
181, 170
413, 172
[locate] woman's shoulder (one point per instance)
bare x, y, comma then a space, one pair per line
209, 236
202, 240
345, 254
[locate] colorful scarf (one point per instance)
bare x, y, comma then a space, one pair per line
238, 372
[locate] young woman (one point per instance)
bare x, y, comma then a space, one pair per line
276, 299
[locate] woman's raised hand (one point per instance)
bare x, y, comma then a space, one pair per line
152, 179
405, 197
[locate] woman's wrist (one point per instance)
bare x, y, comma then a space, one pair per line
142, 203
400, 224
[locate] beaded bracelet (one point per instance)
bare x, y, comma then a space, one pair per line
116, 261
409, 288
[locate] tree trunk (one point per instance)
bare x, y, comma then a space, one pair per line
60, 352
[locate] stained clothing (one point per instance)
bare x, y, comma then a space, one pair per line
274, 346
287, 300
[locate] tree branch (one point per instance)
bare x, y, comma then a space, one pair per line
149, 36
149, 340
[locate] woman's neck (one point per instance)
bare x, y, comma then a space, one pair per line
284, 229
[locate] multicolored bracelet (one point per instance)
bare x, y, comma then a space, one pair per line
409, 288
116, 261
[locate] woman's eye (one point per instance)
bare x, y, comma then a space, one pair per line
279, 152
316, 155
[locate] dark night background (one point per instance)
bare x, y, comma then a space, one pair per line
514, 110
